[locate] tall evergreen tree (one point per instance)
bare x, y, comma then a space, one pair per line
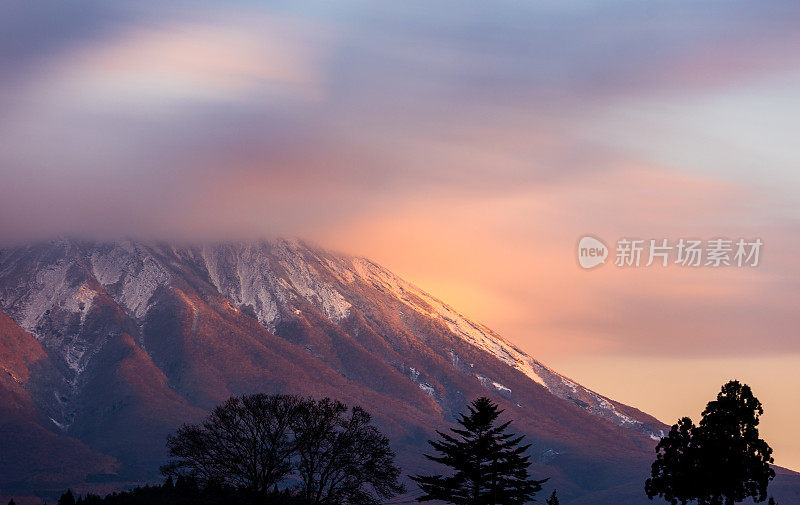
67, 498
553, 500
489, 465
721, 461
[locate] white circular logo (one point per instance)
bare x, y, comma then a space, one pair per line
591, 252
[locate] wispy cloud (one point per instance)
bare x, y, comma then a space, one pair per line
516, 126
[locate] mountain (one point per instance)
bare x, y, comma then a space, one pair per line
105, 348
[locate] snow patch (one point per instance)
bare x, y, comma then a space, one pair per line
414, 375
132, 271
267, 277
501, 387
309, 284
428, 389
109, 266
138, 289
244, 276
61, 426
49, 290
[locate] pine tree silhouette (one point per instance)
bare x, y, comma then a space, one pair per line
553, 500
490, 466
67, 498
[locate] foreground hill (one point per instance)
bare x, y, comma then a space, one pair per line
107, 347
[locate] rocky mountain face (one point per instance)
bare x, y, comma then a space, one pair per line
105, 348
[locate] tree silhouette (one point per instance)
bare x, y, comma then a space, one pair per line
553, 500
339, 457
675, 474
67, 498
246, 442
490, 465
719, 462
257, 442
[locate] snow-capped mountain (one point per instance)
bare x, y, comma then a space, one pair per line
107, 347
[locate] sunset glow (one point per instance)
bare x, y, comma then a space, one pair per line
465, 147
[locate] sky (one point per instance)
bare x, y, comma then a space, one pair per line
467, 146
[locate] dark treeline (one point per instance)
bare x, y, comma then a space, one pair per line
184, 491
287, 450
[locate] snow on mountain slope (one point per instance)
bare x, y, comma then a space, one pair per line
51, 296
474, 333
250, 283
353, 269
130, 273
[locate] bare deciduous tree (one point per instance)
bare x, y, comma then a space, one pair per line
246, 442
341, 456
258, 441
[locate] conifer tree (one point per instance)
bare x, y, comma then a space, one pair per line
67, 498
721, 461
489, 465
